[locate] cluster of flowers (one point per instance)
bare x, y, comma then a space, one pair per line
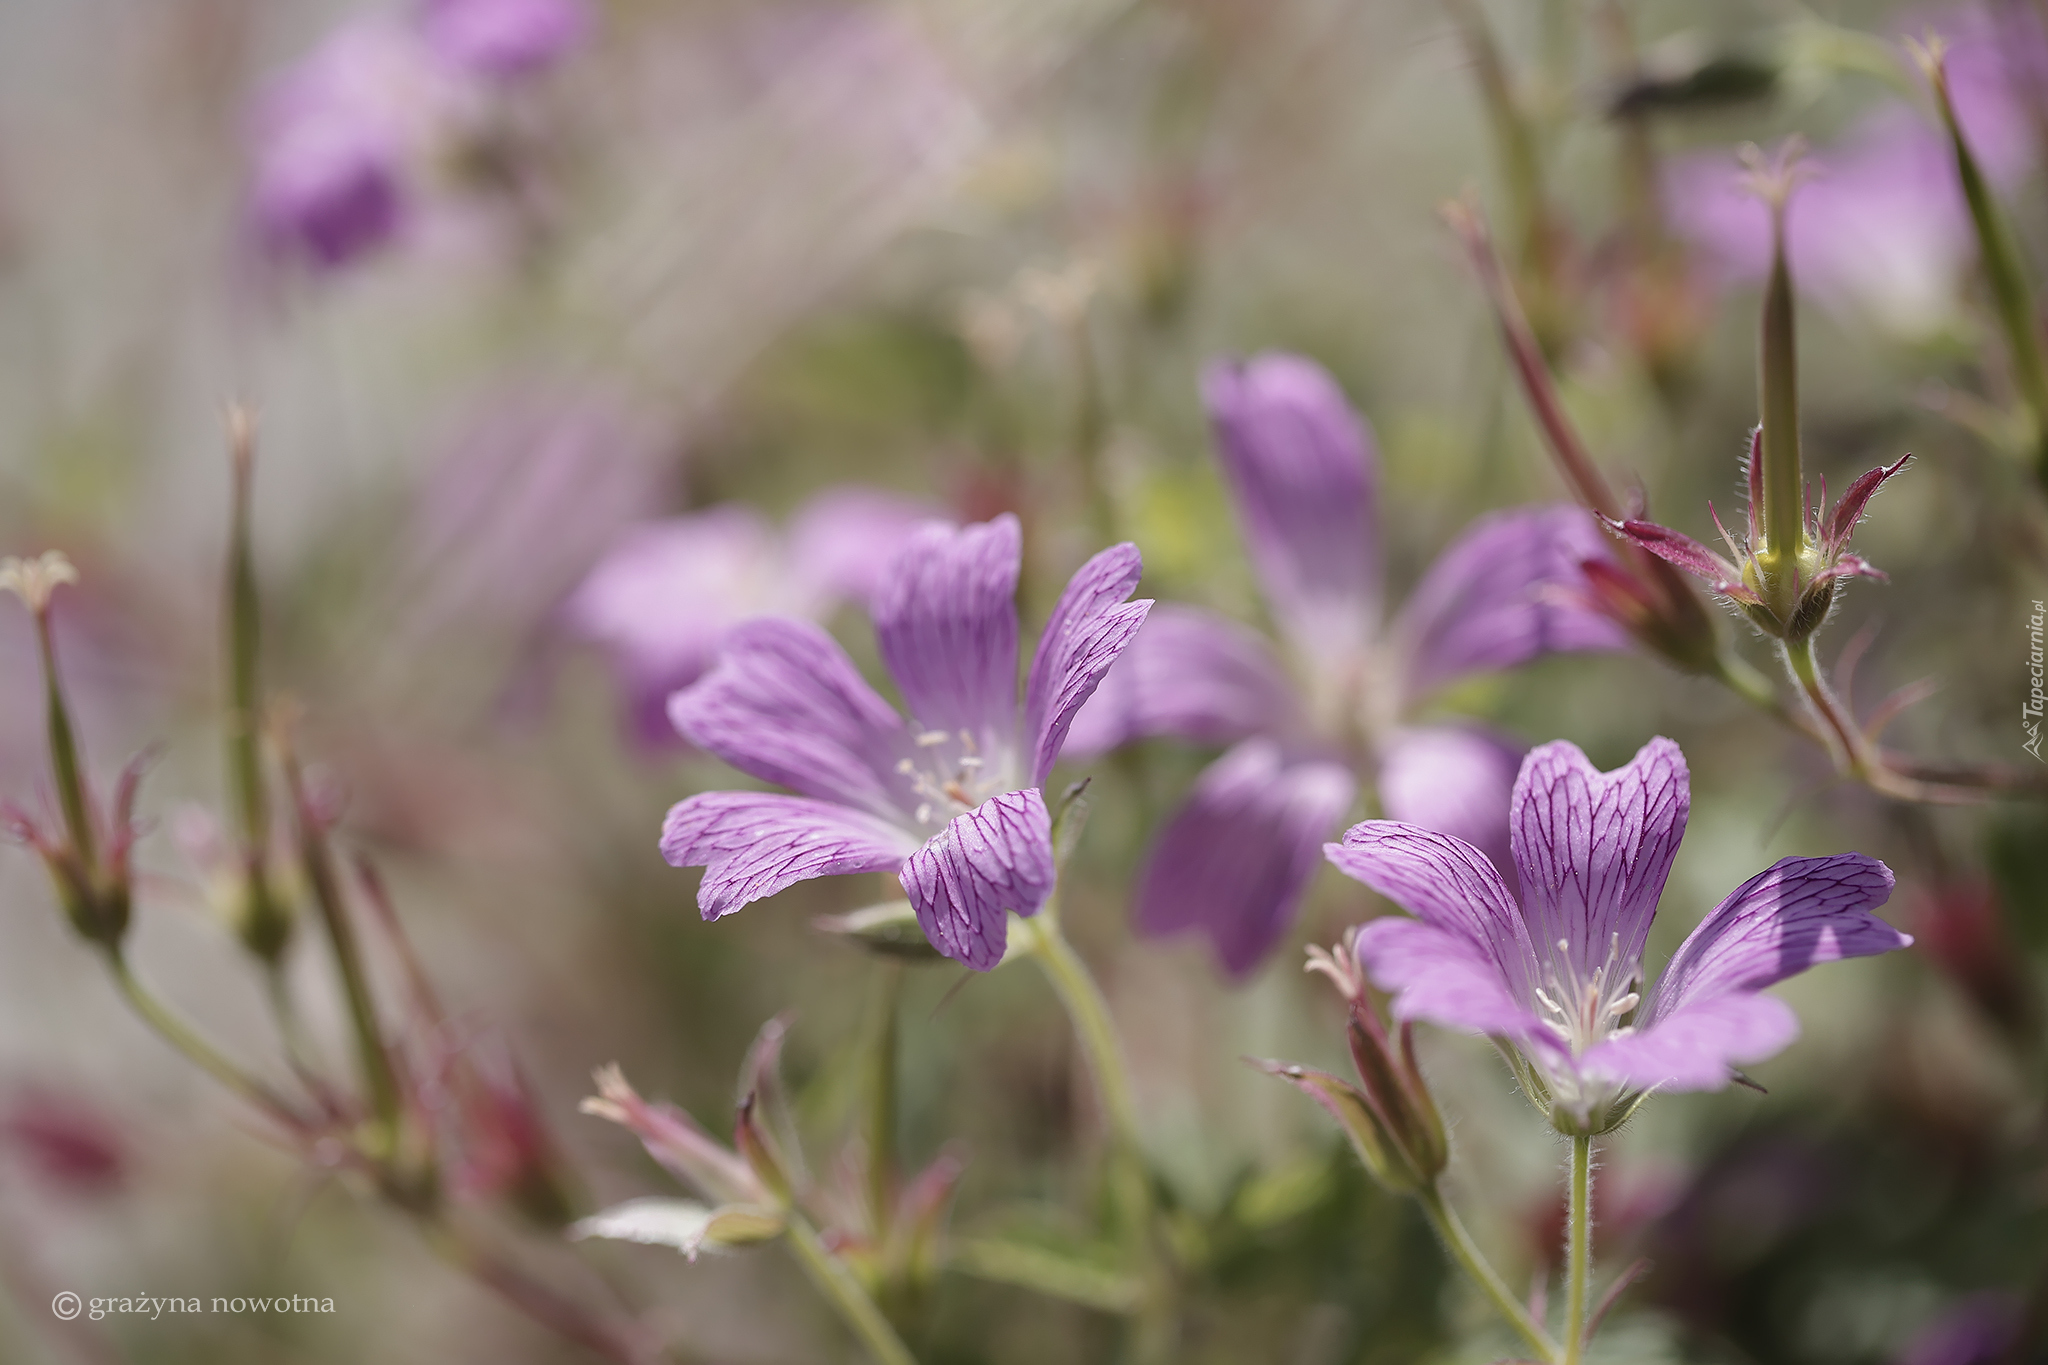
355, 144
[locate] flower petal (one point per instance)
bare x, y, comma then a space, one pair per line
996, 857
1508, 590
844, 539
1442, 976
1795, 914
1675, 547
1089, 628
1594, 848
946, 619
664, 596
786, 705
1192, 674
1694, 1047
1234, 861
1456, 780
1446, 883
753, 844
1305, 478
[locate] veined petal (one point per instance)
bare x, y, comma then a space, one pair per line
1089, 628
1456, 780
786, 705
1188, 673
994, 858
1234, 861
1508, 590
1594, 849
1674, 547
1694, 1047
1795, 914
1446, 883
946, 619
753, 844
1441, 976
1305, 477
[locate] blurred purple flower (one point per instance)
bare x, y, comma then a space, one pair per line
334, 138
1558, 973
1235, 861
504, 38
662, 600
536, 478
1883, 228
951, 802
1979, 1330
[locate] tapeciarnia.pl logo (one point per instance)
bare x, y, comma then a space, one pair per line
2030, 711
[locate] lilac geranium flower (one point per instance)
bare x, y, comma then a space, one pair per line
1237, 858
334, 138
1883, 230
662, 600
1558, 971
504, 38
952, 800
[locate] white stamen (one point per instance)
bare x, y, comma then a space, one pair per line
932, 737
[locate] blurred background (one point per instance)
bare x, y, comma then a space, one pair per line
717, 258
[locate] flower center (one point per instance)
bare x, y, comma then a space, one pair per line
1587, 1010
949, 776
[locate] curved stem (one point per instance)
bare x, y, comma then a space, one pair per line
1752, 686
1578, 1251
881, 1172
837, 1283
1154, 1322
1467, 1254
181, 1036
1089, 1012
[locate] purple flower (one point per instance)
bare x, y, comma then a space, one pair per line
1978, 1330
950, 801
1558, 973
504, 38
1883, 228
662, 600
1235, 861
334, 139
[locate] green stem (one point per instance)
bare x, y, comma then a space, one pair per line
1089, 1012
318, 862
1579, 1251
838, 1284
1467, 1254
1841, 733
2003, 269
1778, 385
882, 1099
64, 752
181, 1036
1153, 1326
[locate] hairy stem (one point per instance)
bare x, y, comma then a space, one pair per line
1578, 1251
838, 1284
1480, 1271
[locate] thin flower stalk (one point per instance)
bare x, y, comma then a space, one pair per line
1578, 1283
2004, 270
